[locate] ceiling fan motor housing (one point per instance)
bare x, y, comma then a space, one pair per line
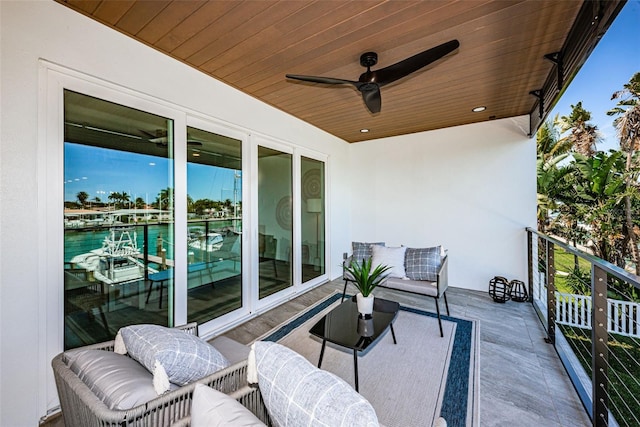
368, 59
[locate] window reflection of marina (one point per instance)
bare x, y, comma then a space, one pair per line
123, 274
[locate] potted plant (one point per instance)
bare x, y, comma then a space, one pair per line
366, 279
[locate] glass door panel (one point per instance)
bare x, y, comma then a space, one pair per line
312, 215
275, 221
214, 212
118, 218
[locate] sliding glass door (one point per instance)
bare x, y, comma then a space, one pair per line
214, 209
118, 218
275, 221
312, 217
154, 218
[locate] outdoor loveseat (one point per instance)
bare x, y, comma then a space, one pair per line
82, 407
420, 271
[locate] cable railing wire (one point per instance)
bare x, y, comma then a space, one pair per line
623, 349
628, 409
619, 373
617, 392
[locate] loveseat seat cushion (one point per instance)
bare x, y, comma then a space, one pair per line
118, 381
297, 393
422, 287
170, 354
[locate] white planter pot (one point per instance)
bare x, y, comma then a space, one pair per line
365, 304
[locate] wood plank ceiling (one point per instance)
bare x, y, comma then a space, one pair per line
251, 45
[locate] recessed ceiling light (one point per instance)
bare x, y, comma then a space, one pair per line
479, 109
196, 154
364, 130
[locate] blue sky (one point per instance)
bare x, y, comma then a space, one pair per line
99, 171
612, 63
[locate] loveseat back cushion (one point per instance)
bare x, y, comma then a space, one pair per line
362, 250
170, 354
296, 393
390, 257
211, 408
118, 381
423, 263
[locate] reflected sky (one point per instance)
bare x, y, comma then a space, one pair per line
100, 171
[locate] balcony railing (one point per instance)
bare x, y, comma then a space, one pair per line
592, 320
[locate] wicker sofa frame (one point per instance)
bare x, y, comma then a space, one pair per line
82, 408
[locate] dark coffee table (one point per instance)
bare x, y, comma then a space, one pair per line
345, 327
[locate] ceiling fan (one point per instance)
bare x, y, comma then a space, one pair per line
370, 82
161, 140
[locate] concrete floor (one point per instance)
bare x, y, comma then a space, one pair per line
522, 381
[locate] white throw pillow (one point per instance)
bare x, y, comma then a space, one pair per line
211, 408
296, 393
172, 355
391, 257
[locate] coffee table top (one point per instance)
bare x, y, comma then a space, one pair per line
345, 327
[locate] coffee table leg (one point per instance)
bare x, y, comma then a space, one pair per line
355, 367
393, 334
324, 343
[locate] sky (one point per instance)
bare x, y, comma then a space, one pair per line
612, 63
100, 171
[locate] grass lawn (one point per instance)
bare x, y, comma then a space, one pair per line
623, 371
564, 265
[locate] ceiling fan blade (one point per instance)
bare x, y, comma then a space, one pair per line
407, 66
325, 80
371, 97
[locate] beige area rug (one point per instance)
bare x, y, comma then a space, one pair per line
406, 382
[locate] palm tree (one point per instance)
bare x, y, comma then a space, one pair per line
164, 198
599, 180
551, 151
115, 198
583, 135
139, 203
82, 197
548, 141
628, 127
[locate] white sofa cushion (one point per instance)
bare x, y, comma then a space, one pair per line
170, 354
118, 381
296, 393
211, 408
391, 257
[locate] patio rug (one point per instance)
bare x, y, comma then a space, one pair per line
409, 384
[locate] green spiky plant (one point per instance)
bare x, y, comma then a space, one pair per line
365, 278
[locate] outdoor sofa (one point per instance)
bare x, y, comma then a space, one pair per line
82, 407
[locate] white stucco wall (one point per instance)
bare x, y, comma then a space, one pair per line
33, 30
469, 188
